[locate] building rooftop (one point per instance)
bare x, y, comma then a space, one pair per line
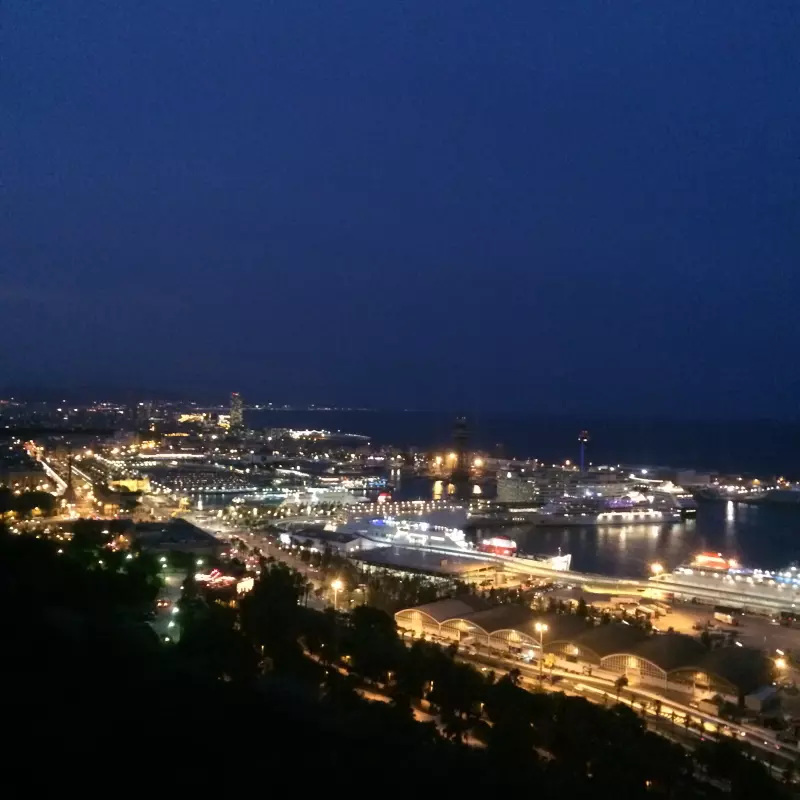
744, 667
670, 651
402, 558
501, 617
174, 531
453, 608
605, 640
319, 535
560, 627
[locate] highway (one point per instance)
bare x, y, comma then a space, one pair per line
54, 476
759, 599
666, 716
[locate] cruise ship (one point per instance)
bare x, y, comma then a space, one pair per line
312, 495
603, 514
572, 512
672, 496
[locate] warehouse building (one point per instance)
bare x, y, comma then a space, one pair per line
669, 661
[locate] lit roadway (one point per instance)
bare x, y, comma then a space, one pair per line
757, 598
54, 476
672, 715
762, 598
223, 531
84, 499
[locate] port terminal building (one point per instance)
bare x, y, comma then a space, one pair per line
668, 661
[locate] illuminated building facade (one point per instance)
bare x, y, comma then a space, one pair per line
237, 412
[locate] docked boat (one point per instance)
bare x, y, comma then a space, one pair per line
593, 512
498, 545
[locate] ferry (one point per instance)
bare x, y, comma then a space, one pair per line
716, 565
709, 562
498, 545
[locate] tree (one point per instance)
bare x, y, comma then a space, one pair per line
270, 614
29, 503
620, 683
582, 609
211, 643
372, 642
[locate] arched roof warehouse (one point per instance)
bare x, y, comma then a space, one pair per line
501, 617
443, 610
561, 628
603, 640
743, 668
669, 651
616, 646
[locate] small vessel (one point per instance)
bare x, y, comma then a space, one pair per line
709, 562
498, 545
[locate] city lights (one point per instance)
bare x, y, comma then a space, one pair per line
337, 586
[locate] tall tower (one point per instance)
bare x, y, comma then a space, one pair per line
583, 439
237, 414
69, 492
460, 474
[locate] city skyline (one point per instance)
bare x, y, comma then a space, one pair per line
588, 211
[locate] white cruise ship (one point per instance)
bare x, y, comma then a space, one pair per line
312, 495
579, 513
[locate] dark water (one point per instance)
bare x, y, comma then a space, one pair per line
766, 448
764, 537
767, 537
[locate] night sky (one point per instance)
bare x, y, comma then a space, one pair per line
583, 207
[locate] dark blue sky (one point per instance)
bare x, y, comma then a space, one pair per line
589, 207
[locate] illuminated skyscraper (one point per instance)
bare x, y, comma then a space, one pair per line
237, 415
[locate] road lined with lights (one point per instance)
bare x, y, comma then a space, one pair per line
54, 476
663, 714
663, 583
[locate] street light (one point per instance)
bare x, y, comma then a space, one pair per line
541, 628
656, 568
337, 586
780, 663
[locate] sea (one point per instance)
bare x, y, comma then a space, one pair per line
760, 448
767, 537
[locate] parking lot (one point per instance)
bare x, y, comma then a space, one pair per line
753, 631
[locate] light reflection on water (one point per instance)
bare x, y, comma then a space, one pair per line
765, 537
757, 536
